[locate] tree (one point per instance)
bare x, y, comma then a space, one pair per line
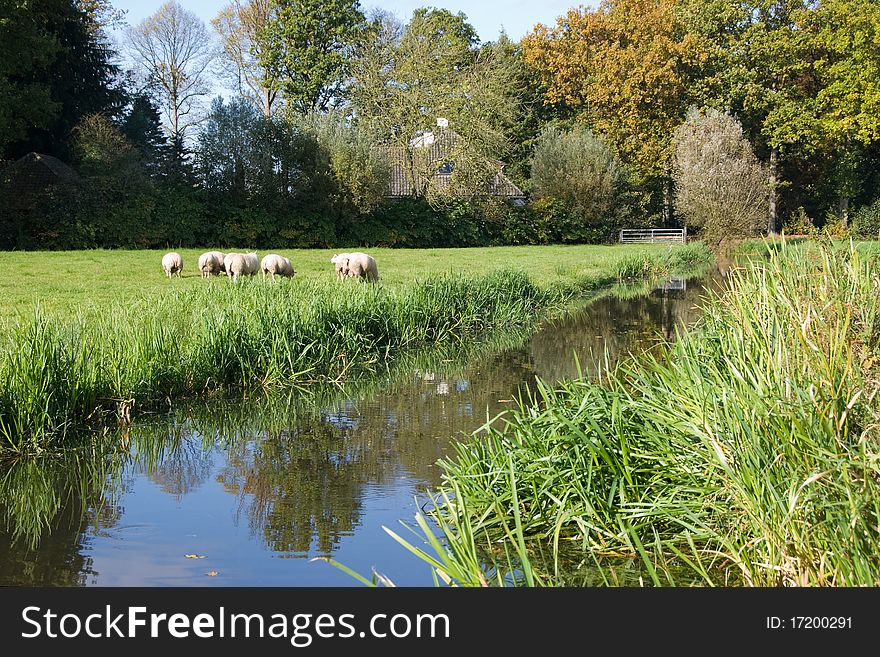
523, 125
359, 169
761, 66
576, 168
720, 186
241, 27
173, 47
406, 78
25, 94
61, 71
228, 152
623, 69
304, 48
142, 127
846, 36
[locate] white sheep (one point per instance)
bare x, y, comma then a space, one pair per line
241, 264
275, 264
340, 260
360, 265
211, 263
172, 263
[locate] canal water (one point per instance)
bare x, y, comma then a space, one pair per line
254, 492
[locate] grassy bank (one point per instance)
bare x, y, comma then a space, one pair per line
63, 372
747, 455
70, 282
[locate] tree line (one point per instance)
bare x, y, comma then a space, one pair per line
732, 118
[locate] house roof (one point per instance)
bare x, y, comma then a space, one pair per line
435, 149
30, 175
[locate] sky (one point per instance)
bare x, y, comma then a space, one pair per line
489, 17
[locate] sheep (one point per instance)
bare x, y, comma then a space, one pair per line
339, 260
275, 264
172, 263
241, 264
211, 263
360, 265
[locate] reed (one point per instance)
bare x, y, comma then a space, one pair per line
745, 453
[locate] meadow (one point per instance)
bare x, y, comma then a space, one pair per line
105, 334
69, 282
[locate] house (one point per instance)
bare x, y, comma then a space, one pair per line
28, 178
23, 185
429, 164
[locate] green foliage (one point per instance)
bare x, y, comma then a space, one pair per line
578, 169
358, 166
415, 223
847, 34
58, 68
407, 77
304, 49
866, 221
550, 221
799, 223
25, 92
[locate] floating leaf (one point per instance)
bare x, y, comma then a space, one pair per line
195, 556
213, 573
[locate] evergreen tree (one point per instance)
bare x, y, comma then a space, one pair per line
62, 72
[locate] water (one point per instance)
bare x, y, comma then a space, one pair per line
250, 493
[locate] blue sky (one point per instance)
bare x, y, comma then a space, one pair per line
489, 17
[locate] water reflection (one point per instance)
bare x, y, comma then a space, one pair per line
303, 476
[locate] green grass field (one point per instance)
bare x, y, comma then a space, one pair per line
72, 281
88, 335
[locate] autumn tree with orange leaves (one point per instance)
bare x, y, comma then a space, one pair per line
624, 69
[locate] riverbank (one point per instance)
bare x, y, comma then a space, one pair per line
746, 455
65, 372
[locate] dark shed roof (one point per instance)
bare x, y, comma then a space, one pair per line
29, 176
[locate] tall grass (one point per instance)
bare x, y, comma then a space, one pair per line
647, 265
747, 453
59, 376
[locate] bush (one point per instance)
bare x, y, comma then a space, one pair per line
550, 221
866, 221
799, 223
577, 169
720, 186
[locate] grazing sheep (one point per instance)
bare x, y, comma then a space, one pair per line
211, 263
275, 264
360, 265
241, 264
339, 260
172, 263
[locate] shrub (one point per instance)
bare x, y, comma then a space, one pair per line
866, 221
799, 223
720, 186
577, 169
